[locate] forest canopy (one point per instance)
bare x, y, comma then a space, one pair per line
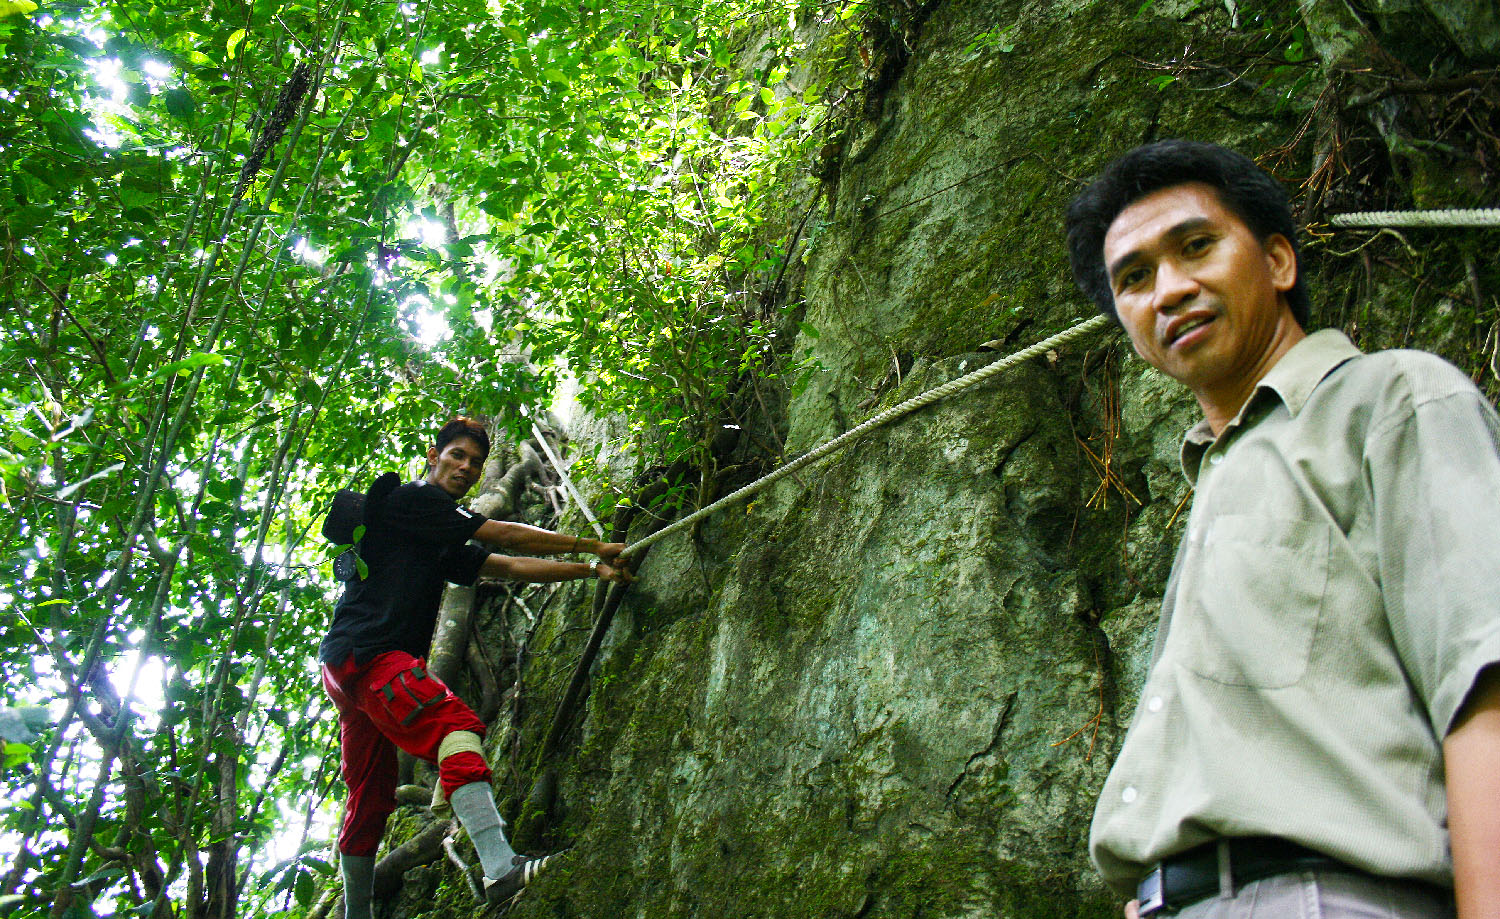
253, 252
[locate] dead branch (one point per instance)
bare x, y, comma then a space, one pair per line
1441, 86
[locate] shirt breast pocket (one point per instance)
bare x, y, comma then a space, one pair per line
1249, 608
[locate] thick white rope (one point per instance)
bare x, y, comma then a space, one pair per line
891, 414
1447, 217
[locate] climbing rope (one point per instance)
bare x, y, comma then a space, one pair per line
891, 414
1447, 217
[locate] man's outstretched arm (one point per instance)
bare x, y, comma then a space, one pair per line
545, 571
1471, 757
520, 537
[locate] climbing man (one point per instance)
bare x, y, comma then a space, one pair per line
1319, 732
415, 538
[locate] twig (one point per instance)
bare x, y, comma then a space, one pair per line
1180, 505
62, 304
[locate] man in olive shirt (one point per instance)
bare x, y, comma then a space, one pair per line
1319, 733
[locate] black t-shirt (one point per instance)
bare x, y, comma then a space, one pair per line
416, 540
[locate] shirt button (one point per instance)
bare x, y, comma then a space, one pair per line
1128, 795
1155, 704
1216, 459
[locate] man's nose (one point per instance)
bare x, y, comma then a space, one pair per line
1174, 286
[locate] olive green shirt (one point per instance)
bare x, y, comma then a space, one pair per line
1335, 597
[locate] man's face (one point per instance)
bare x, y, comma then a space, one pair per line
457, 466
1201, 298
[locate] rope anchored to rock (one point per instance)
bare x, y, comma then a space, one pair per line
891, 414
1446, 217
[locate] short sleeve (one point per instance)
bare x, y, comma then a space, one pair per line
1433, 468
461, 564
425, 513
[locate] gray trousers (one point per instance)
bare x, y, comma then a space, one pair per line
1325, 895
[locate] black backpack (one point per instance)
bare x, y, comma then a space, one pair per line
347, 521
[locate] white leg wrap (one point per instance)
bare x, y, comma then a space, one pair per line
460, 742
456, 742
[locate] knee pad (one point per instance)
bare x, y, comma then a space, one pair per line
460, 742
456, 742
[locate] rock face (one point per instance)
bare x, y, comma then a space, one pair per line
867, 709
892, 686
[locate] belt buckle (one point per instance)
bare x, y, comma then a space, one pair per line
1151, 893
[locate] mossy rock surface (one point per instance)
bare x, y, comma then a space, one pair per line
892, 685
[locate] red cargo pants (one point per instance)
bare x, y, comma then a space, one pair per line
393, 702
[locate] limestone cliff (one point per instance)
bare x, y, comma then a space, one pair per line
892, 686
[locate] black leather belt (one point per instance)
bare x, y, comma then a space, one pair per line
1190, 876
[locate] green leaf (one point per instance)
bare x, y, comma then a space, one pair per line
226, 489
104, 874
136, 197
304, 889
10, 8
319, 865
232, 47
179, 103
16, 754
192, 361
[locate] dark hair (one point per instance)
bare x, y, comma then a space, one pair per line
1247, 190
463, 427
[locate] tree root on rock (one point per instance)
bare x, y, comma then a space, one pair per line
414, 795
422, 849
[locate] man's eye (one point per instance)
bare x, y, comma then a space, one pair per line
1197, 245
1131, 278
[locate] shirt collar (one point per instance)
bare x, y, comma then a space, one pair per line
1292, 379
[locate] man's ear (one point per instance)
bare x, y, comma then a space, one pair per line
1281, 258
432, 457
